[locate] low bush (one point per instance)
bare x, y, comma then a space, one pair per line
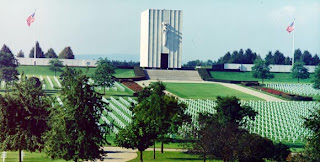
283, 94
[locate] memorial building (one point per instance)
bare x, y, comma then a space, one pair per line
161, 39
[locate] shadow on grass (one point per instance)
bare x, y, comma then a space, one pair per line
185, 159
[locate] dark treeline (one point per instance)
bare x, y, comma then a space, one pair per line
124, 63
194, 63
66, 53
240, 57
276, 58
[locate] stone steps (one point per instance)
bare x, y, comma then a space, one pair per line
184, 75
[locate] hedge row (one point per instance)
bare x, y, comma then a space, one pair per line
139, 75
205, 75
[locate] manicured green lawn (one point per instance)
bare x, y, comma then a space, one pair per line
205, 91
247, 76
29, 157
169, 156
45, 70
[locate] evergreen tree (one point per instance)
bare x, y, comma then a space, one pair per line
66, 53
39, 52
306, 58
287, 61
51, 54
269, 58
297, 55
278, 58
74, 129
5, 49
315, 60
316, 81
20, 54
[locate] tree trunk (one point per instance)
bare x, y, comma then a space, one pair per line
262, 81
161, 146
298, 79
104, 89
19, 155
75, 160
55, 72
204, 158
154, 150
141, 160
6, 86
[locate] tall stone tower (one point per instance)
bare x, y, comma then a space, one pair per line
161, 39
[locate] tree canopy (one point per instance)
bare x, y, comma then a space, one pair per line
55, 65
5, 49
316, 80
261, 70
103, 75
66, 53
240, 57
50, 54
74, 129
23, 117
8, 65
299, 71
20, 54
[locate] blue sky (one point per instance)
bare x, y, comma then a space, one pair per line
210, 28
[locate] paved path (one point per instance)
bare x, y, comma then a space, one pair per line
118, 154
233, 86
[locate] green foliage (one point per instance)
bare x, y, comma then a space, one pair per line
231, 142
66, 53
8, 65
5, 49
316, 81
39, 52
23, 117
240, 57
312, 123
229, 110
299, 71
51, 54
20, 54
261, 70
75, 132
195, 63
55, 65
103, 75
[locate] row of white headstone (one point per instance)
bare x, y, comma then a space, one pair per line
275, 120
4, 155
300, 89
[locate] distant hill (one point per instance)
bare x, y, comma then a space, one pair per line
120, 57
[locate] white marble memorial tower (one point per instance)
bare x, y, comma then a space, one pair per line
161, 39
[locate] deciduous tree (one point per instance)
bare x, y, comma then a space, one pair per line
103, 75
20, 54
8, 65
55, 65
261, 70
299, 71
23, 117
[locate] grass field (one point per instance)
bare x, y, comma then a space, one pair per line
29, 157
247, 76
205, 91
167, 156
45, 70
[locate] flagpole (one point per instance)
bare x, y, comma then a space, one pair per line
35, 43
293, 40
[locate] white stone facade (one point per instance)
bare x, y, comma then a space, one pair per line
161, 39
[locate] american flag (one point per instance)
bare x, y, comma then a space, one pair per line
290, 28
30, 19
